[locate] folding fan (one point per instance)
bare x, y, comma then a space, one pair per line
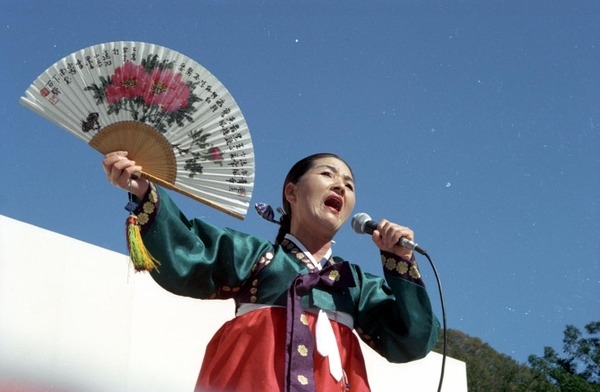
173, 116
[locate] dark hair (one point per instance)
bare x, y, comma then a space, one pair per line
293, 176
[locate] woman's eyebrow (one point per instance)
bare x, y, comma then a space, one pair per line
336, 171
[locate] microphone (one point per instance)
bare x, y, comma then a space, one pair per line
363, 224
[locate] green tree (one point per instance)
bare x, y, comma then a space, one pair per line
488, 370
579, 369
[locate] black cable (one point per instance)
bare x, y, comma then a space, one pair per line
445, 330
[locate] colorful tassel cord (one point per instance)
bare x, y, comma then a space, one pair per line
140, 256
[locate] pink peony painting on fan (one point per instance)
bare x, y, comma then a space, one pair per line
156, 95
151, 91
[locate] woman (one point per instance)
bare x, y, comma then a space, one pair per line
296, 303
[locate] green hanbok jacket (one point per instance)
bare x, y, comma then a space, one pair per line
393, 314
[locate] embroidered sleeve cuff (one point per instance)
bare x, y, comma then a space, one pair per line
147, 208
397, 266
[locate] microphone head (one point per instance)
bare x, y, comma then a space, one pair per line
358, 222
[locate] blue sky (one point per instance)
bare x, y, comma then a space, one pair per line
475, 123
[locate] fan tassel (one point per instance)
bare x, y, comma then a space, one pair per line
140, 256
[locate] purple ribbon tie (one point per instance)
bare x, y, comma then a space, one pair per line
299, 340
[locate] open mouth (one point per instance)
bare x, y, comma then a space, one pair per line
334, 202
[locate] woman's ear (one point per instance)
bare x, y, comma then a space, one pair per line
290, 192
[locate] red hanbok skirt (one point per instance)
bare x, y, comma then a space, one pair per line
248, 354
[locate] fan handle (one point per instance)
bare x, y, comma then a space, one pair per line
168, 185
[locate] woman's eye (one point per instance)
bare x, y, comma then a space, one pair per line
350, 186
327, 174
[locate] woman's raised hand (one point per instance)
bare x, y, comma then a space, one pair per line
387, 236
123, 173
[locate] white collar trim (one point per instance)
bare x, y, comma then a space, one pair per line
307, 253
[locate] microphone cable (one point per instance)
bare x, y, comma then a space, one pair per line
444, 326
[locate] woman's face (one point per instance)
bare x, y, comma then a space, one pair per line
323, 198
